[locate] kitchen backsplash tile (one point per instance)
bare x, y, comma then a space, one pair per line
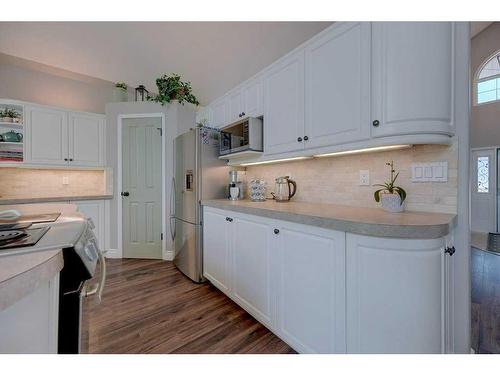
19, 183
336, 179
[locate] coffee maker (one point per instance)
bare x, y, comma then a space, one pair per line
236, 189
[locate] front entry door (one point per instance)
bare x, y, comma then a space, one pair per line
484, 190
141, 188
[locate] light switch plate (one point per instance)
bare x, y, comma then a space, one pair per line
65, 180
364, 177
429, 172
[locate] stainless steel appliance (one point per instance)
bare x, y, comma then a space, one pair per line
243, 135
285, 189
199, 175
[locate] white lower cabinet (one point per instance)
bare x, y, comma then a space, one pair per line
395, 295
310, 289
326, 291
94, 209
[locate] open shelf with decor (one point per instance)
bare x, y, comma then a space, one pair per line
11, 132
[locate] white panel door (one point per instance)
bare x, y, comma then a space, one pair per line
142, 188
216, 247
412, 78
252, 265
220, 112
338, 86
47, 133
311, 288
284, 105
484, 191
86, 139
94, 210
395, 295
235, 106
253, 104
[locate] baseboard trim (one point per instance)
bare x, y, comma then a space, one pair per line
113, 253
169, 255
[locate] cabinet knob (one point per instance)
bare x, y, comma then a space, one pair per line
242, 114
450, 250
276, 231
229, 219
376, 123
65, 159
299, 139
70, 159
124, 193
306, 138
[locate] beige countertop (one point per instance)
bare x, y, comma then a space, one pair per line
54, 199
359, 220
22, 273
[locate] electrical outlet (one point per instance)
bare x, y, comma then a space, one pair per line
364, 177
65, 180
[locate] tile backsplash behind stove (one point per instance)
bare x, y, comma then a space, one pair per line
337, 179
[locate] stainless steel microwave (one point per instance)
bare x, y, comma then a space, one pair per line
243, 135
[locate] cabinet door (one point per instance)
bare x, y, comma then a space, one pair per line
338, 86
252, 98
95, 211
216, 247
220, 112
311, 288
413, 67
47, 136
395, 295
284, 105
251, 265
235, 106
86, 139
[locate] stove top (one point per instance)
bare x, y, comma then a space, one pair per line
12, 238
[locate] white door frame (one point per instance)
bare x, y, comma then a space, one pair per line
163, 177
495, 177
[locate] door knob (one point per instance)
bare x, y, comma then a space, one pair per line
276, 231
124, 193
376, 123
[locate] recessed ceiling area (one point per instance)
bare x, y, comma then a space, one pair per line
214, 56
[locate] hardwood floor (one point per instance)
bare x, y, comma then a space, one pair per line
148, 306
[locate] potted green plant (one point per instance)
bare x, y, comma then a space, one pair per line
10, 115
172, 88
392, 197
120, 92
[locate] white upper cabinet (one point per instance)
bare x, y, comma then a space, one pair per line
235, 106
86, 139
395, 295
47, 136
58, 137
412, 82
284, 105
220, 112
338, 86
251, 93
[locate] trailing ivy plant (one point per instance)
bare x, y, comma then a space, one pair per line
121, 85
390, 187
172, 88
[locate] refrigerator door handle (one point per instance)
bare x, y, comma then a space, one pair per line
172, 209
172, 230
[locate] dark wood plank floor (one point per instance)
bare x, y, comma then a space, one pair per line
485, 292
149, 307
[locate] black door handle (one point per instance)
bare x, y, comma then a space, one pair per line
229, 219
124, 193
276, 231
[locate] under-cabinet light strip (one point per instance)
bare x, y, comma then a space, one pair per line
275, 161
363, 150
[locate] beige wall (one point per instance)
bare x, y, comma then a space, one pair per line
485, 126
20, 183
336, 179
29, 81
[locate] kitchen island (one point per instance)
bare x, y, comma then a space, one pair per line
335, 279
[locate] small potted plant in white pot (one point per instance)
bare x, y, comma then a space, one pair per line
10, 115
392, 197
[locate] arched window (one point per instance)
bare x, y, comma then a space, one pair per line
488, 81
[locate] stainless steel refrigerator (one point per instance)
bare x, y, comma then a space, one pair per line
198, 175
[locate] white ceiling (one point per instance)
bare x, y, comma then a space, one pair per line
214, 56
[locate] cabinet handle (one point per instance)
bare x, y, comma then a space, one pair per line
450, 250
229, 219
242, 114
124, 193
70, 159
65, 159
299, 139
276, 231
376, 123
306, 138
